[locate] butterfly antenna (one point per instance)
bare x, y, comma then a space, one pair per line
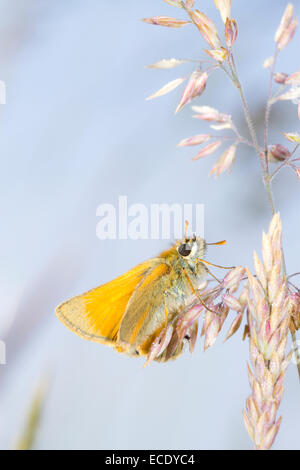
222, 242
186, 225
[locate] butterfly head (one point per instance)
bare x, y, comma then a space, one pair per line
192, 248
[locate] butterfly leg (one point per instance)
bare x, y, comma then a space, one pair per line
197, 294
212, 275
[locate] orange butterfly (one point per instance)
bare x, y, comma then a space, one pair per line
130, 312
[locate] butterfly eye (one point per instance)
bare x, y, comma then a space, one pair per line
184, 250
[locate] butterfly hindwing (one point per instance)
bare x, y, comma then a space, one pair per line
153, 304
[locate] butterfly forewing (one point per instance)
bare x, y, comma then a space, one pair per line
97, 314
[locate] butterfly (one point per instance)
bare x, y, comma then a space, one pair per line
130, 312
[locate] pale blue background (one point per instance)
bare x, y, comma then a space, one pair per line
76, 132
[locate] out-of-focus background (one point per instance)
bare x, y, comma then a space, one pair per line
76, 132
